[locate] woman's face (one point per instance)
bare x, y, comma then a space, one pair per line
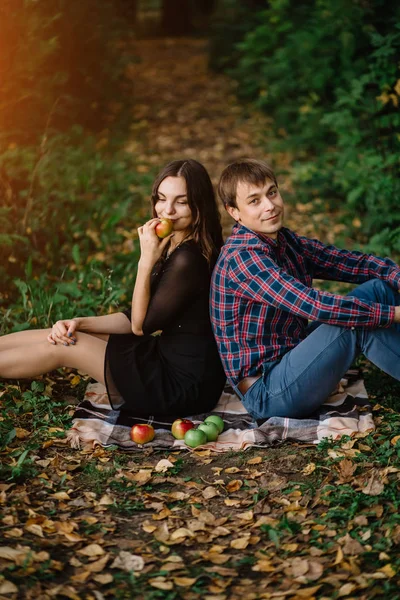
172, 203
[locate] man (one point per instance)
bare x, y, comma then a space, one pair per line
262, 300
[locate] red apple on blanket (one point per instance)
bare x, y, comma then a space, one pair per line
217, 421
180, 427
195, 437
211, 431
142, 433
164, 228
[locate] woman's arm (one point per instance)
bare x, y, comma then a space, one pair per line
114, 323
63, 331
140, 297
151, 249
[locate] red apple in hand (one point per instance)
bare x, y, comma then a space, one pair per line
142, 433
180, 427
164, 228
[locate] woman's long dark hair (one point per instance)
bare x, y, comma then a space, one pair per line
206, 226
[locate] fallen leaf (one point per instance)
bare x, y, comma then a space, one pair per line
234, 485
98, 565
184, 581
21, 434
7, 587
240, 543
60, 496
308, 469
388, 570
35, 529
210, 492
103, 578
255, 461
106, 500
128, 562
163, 465
91, 550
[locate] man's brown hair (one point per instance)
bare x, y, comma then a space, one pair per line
247, 170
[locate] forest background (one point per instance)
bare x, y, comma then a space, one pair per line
326, 74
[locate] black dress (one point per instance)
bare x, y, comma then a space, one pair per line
177, 372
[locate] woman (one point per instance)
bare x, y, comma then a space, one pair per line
159, 357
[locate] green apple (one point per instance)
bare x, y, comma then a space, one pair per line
217, 421
195, 437
211, 431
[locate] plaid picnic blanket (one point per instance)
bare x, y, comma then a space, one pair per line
346, 412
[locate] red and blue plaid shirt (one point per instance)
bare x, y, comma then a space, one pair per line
262, 297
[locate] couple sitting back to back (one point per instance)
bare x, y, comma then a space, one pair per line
284, 345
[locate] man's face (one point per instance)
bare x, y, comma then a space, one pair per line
259, 207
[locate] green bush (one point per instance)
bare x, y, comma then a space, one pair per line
58, 59
328, 75
78, 247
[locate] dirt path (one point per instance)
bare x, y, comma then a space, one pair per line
184, 110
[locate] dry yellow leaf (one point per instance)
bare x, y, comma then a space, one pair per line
21, 434
388, 570
264, 566
346, 589
35, 529
15, 532
216, 558
240, 543
7, 587
182, 532
91, 550
163, 465
234, 485
255, 461
308, 469
184, 581
106, 500
60, 496
210, 492
98, 565
161, 585
232, 502
80, 577
103, 578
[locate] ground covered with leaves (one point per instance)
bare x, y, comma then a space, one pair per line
292, 521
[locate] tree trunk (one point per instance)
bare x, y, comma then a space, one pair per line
176, 17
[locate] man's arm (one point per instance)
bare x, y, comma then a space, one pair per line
258, 278
330, 262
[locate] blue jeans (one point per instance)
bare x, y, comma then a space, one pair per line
298, 383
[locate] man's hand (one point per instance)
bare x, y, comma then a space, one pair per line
63, 331
397, 314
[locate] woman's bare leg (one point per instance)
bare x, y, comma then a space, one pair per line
34, 336
29, 359
23, 338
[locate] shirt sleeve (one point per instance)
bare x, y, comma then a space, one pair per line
256, 277
182, 279
330, 262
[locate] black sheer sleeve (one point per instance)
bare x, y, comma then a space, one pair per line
184, 276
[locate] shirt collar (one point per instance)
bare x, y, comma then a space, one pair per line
278, 245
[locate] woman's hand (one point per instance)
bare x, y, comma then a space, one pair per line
63, 331
151, 247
